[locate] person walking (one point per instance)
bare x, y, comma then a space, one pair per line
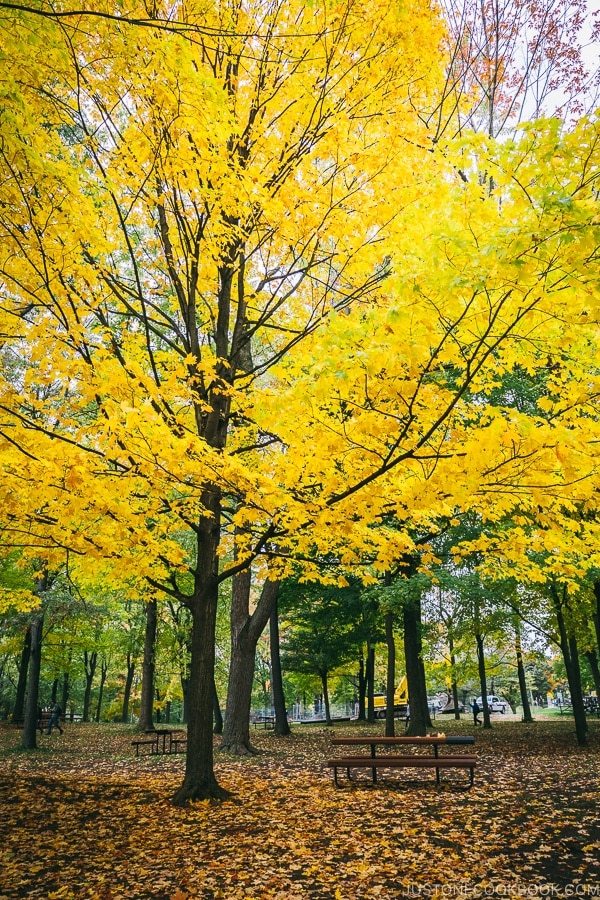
55, 714
476, 711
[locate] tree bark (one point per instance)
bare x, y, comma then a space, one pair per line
185, 687
362, 689
420, 719
482, 680
282, 726
236, 731
325, 686
573, 675
527, 717
199, 782
454, 686
245, 632
217, 714
28, 740
146, 717
18, 712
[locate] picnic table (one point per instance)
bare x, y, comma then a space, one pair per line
161, 741
265, 721
374, 761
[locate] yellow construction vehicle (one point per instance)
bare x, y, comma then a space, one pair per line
400, 701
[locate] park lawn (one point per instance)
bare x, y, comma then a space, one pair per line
81, 817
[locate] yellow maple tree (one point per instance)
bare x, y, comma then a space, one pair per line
182, 204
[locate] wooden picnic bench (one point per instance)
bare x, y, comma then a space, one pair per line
404, 761
161, 741
146, 742
265, 721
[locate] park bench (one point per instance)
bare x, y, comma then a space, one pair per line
405, 761
41, 724
463, 761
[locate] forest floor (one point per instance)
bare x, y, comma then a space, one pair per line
82, 819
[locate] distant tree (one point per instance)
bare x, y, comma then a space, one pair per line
510, 61
321, 630
282, 727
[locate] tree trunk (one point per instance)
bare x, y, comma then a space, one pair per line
596, 616
146, 717
370, 673
103, 673
30, 723
185, 688
90, 661
573, 676
245, 632
18, 712
594, 655
64, 696
420, 719
127, 688
217, 714
282, 726
325, 686
581, 725
391, 674
362, 689
482, 680
453, 670
527, 717
199, 782
236, 733
28, 740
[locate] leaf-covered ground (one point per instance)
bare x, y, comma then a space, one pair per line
81, 817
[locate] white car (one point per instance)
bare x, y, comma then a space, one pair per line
495, 704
